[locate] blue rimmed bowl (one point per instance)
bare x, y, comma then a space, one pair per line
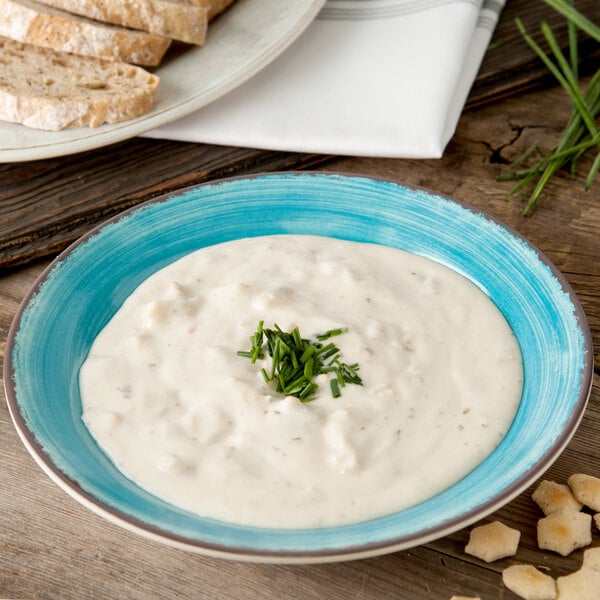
81, 290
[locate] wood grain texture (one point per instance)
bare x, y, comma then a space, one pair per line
46, 204
53, 548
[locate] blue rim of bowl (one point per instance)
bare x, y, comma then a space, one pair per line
351, 551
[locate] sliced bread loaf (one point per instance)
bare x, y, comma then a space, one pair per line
30, 22
46, 89
180, 21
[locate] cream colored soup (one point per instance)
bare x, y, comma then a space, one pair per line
178, 411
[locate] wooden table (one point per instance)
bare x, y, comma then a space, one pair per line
51, 547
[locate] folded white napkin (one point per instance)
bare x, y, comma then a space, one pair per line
384, 78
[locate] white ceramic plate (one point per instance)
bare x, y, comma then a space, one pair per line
240, 42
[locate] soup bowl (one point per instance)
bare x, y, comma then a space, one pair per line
83, 288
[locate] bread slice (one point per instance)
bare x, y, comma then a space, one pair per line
176, 20
214, 7
46, 89
30, 22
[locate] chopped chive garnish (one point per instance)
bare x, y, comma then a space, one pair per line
335, 389
329, 353
281, 383
296, 361
308, 368
308, 352
330, 346
296, 336
256, 353
305, 393
331, 333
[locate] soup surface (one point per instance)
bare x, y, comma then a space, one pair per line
168, 398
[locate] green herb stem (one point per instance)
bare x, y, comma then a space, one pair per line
575, 17
572, 84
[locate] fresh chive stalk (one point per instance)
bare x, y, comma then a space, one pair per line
581, 133
297, 361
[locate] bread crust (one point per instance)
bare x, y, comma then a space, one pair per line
45, 89
214, 7
180, 21
30, 22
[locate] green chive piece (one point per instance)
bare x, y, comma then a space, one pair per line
296, 336
329, 353
308, 368
294, 360
309, 389
281, 383
331, 333
308, 352
335, 389
326, 348
265, 375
